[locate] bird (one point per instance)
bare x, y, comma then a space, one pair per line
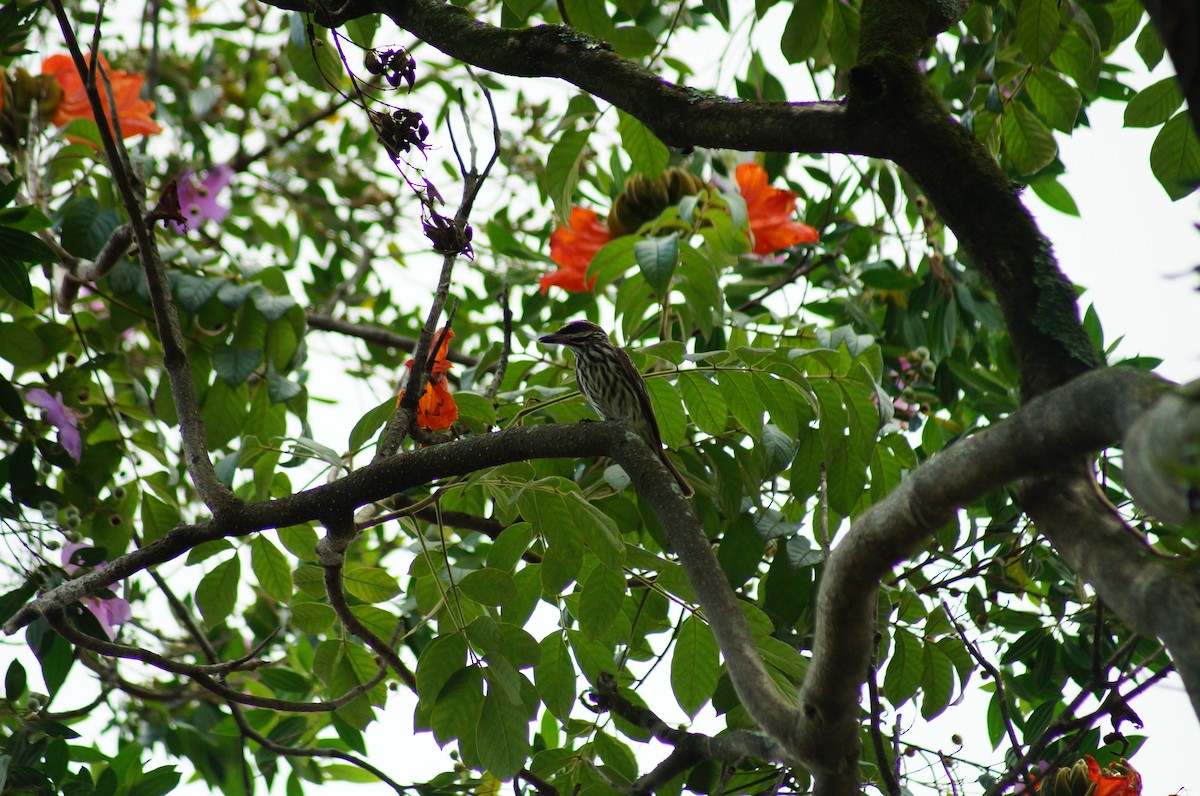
613, 386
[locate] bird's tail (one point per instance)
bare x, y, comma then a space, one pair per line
684, 486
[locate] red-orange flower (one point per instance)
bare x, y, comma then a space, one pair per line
133, 111
573, 246
1119, 779
436, 410
770, 211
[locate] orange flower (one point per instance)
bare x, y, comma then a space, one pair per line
770, 211
1119, 779
436, 410
573, 246
133, 111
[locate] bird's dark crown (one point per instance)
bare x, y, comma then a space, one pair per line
575, 333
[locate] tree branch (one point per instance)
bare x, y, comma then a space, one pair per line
212, 491
1088, 414
373, 334
1151, 593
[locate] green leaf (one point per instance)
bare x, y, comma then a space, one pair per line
84, 227
488, 586
371, 422
1054, 98
803, 30
54, 653
271, 568
649, 155
158, 518
695, 665
14, 280
15, 681
602, 594
235, 365
192, 292
1028, 144
315, 62
1149, 46
704, 401
1154, 104
1039, 28
554, 675
24, 247
937, 682
562, 169
1175, 157
743, 399
440, 659
13, 406
668, 411
599, 531
476, 407
510, 546
589, 16
371, 584
1055, 194
502, 737
905, 668
612, 261
657, 259
216, 594
720, 11
271, 306
157, 782
843, 34
313, 617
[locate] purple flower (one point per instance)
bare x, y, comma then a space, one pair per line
198, 198
109, 611
61, 416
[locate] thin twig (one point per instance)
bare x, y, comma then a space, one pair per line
505, 345
215, 494
890, 784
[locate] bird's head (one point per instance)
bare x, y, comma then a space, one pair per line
577, 334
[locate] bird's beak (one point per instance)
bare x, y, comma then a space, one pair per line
552, 339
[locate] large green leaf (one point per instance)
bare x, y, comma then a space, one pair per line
555, 676
602, 594
695, 665
1154, 104
1039, 28
649, 155
1175, 157
804, 30
502, 737
1028, 144
1054, 98
657, 258
705, 402
216, 595
562, 169
271, 568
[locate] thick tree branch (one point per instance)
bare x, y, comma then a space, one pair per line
1155, 595
1087, 415
890, 112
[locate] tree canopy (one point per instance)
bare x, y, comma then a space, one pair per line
918, 471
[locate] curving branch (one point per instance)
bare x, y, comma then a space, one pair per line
1087, 415
1153, 594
